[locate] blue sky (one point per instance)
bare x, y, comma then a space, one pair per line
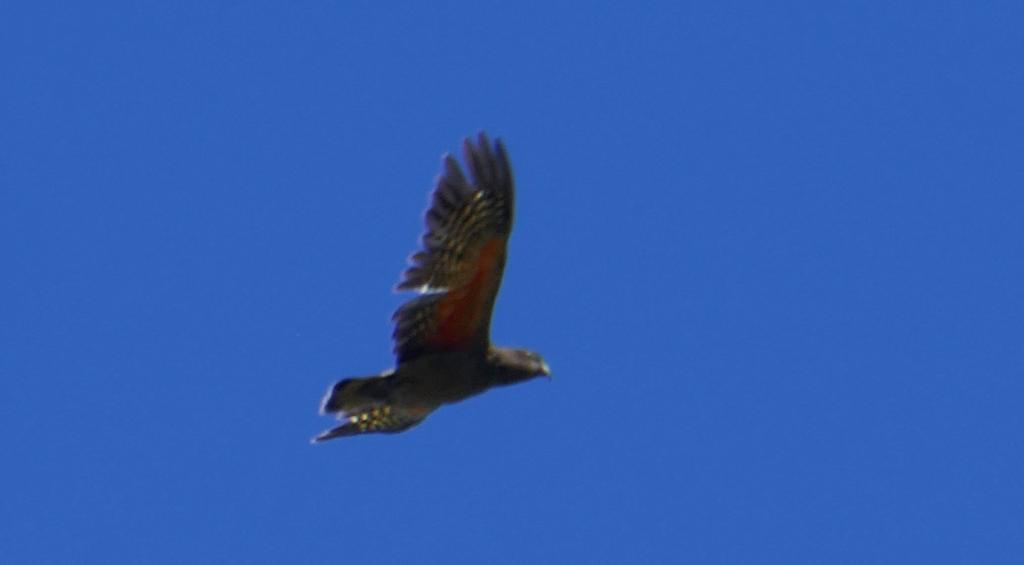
772, 252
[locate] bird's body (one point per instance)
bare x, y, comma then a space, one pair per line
442, 338
453, 377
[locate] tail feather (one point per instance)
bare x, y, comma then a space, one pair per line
351, 395
364, 405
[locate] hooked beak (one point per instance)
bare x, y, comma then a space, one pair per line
544, 369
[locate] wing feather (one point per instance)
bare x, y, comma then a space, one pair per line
464, 247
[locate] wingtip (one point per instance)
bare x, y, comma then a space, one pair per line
321, 437
332, 433
483, 140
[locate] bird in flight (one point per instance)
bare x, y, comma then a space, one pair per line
442, 337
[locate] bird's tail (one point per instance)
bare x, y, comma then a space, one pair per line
364, 405
355, 394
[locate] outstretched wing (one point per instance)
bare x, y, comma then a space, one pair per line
459, 268
380, 419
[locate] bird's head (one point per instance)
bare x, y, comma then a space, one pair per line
514, 365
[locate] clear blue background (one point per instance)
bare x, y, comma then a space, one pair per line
772, 251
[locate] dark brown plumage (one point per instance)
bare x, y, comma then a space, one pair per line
442, 337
